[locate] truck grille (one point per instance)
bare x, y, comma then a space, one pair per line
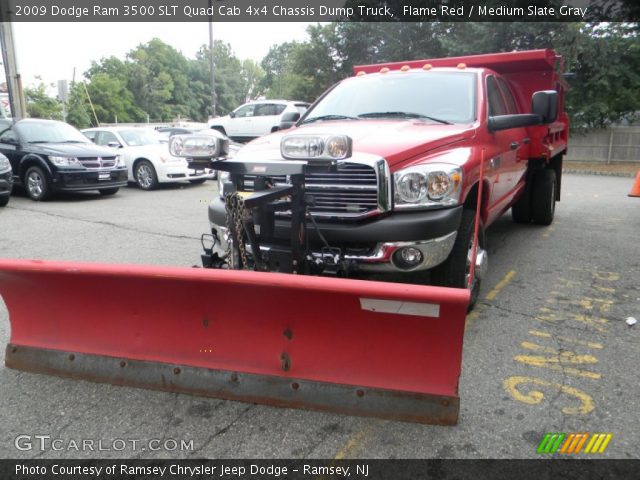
98, 162
352, 191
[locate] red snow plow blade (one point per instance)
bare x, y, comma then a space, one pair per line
356, 347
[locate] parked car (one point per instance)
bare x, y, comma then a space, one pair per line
48, 156
255, 119
6, 180
166, 132
147, 158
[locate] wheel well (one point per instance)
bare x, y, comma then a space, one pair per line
471, 201
220, 129
137, 161
32, 162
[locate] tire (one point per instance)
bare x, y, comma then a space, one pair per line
4, 200
36, 184
521, 210
199, 181
145, 175
455, 269
109, 191
543, 196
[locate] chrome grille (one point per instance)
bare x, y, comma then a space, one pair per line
98, 162
351, 191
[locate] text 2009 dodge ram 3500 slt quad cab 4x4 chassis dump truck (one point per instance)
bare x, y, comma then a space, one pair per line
414, 144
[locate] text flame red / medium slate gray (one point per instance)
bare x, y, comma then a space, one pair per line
358, 347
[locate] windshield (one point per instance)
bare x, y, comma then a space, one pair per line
140, 136
49, 132
445, 97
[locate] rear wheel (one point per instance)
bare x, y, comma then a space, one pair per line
109, 191
37, 184
543, 196
455, 270
145, 175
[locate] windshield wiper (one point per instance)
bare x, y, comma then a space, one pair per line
39, 141
71, 141
403, 115
328, 117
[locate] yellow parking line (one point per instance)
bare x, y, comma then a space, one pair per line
501, 284
355, 443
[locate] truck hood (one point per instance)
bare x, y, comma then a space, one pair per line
394, 140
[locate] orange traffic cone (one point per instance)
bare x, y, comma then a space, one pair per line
635, 190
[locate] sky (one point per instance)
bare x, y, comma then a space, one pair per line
52, 50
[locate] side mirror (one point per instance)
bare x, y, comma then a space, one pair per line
545, 104
288, 120
505, 122
11, 141
232, 114
114, 145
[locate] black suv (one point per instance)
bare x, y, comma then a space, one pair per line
48, 156
5, 180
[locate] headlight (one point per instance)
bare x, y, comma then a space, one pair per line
194, 145
4, 164
316, 147
120, 161
65, 161
428, 185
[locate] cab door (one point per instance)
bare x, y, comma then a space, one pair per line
505, 168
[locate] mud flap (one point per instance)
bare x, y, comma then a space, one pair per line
357, 347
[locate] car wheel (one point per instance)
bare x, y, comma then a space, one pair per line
4, 200
455, 270
109, 191
37, 184
145, 175
543, 197
198, 181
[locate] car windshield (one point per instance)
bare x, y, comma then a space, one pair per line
140, 136
444, 97
49, 132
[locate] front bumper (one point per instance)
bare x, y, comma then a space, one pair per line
6, 183
93, 180
371, 244
168, 173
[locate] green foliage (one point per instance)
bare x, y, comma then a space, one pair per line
158, 82
40, 105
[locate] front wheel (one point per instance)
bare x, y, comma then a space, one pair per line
37, 184
456, 269
145, 175
4, 200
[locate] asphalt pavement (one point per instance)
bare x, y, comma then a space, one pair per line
546, 350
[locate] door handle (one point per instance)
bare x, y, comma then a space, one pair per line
514, 145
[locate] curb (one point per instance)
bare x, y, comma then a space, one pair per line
596, 172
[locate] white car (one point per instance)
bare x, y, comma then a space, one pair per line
255, 119
147, 158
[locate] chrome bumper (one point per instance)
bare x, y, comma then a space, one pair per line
381, 258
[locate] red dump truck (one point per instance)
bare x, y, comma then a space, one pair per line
396, 170
422, 149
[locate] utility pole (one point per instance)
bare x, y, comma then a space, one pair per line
14, 82
212, 66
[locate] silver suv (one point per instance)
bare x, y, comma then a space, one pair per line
255, 119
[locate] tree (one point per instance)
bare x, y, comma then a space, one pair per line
41, 105
78, 113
